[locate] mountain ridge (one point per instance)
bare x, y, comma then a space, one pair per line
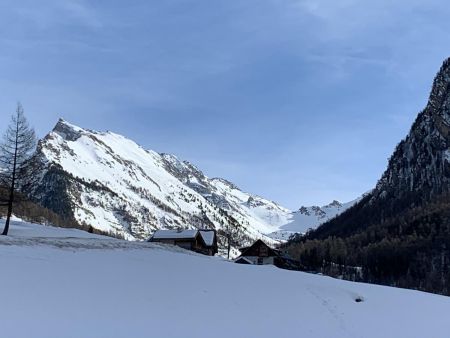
109, 184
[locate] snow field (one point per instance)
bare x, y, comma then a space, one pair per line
129, 289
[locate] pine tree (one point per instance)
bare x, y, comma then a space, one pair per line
19, 142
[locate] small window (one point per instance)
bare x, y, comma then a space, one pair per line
260, 260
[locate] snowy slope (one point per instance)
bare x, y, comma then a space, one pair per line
22, 229
113, 185
272, 219
137, 289
310, 218
109, 183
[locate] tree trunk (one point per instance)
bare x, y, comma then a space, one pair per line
8, 216
10, 202
229, 245
13, 183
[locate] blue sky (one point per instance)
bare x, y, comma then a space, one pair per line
300, 101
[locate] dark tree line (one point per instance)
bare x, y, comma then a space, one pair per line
409, 249
33, 212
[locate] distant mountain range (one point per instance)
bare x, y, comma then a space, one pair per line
108, 184
306, 218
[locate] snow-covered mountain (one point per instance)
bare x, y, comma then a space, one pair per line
107, 183
310, 218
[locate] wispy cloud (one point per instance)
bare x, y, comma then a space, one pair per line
81, 11
49, 13
226, 82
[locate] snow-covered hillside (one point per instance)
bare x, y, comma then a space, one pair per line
309, 218
66, 286
109, 183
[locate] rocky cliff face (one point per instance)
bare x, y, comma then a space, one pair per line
399, 233
417, 172
420, 163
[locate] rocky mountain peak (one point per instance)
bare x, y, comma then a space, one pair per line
418, 172
334, 204
304, 210
420, 161
438, 104
67, 131
438, 107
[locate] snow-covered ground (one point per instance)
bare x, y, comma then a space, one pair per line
21, 230
67, 283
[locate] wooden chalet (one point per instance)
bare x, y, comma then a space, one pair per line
201, 241
259, 253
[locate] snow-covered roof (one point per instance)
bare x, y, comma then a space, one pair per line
208, 237
175, 234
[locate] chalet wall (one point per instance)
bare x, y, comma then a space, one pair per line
260, 260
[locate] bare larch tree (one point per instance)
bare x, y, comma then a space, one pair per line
19, 142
